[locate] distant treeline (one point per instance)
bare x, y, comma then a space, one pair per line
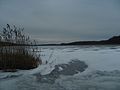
112, 41
115, 40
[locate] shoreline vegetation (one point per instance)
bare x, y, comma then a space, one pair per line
17, 51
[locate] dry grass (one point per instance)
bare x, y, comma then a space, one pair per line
18, 61
20, 56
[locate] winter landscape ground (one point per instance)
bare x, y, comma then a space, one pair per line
69, 68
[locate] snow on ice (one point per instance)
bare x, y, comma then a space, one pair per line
102, 73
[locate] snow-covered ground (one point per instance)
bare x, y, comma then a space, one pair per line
102, 73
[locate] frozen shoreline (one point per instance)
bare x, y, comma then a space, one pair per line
103, 72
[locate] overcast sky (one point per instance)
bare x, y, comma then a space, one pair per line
63, 20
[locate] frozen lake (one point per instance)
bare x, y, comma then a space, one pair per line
69, 68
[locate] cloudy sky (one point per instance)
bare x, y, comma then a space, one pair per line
63, 20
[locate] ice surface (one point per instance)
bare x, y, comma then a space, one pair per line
103, 72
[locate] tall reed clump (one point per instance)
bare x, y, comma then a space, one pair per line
17, 51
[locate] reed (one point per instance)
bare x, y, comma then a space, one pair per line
17, 51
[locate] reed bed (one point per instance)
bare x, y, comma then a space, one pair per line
17, 51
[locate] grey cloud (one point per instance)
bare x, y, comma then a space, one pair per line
63, 20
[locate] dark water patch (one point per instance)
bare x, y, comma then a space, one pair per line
113, 48
73, 67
